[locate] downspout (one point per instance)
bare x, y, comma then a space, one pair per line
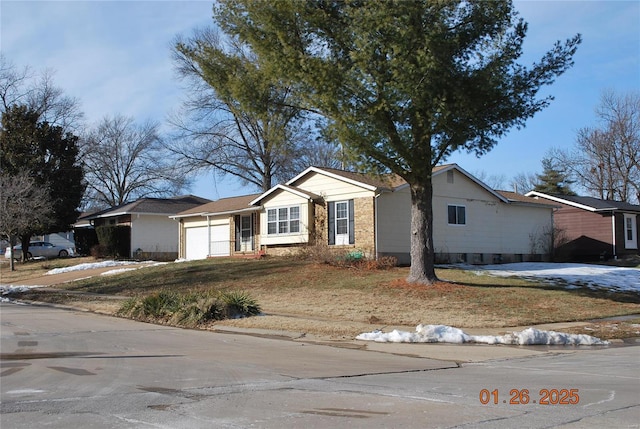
208, 237
613, 228
375, 224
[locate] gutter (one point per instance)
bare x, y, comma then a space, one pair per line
208, 237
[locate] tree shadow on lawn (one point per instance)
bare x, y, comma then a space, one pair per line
583, 290
185, 276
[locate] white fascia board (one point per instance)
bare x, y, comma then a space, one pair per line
228, 212
106, 215
205, 214
281, 188
188, 215
333, 176
563, 201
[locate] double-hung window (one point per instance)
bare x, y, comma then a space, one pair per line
456, 215
283, 220
341, 222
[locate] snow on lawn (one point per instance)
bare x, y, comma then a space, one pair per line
103, 264
6, 290
614, 279
448, 334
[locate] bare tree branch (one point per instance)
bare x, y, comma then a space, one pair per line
124, 160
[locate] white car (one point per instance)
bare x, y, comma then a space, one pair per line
40, 249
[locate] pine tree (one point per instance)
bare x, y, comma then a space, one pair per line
553, 180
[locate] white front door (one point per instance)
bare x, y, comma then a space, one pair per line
630, 232
342, 223
246, 232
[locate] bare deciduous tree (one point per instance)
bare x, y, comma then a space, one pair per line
38, 92
238, 120
605, 158
524, 182
124, 160
494, 181
22, 204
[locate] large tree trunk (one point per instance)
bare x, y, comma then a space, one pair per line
422, 252
24, 241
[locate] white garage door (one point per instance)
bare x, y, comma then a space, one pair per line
196, 243
198, 247
220, 240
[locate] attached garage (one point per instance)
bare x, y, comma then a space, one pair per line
225, 227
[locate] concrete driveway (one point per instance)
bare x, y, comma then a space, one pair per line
64, 369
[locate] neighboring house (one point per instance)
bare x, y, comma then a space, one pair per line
594, 229
352, 211
152, 234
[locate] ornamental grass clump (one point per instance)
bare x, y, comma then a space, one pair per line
238, 304
190, 309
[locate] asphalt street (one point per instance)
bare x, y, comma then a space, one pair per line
63, 368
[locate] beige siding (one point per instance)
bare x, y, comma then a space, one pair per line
285, 199
394, 221
492, 227
332, 189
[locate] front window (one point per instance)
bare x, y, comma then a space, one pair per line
342, 218
457, 215
283, 220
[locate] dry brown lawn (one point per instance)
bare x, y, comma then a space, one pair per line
340, 302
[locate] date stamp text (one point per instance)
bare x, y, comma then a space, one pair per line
523, 397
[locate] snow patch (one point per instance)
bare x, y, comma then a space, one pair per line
448, 334
103, 264
613, 279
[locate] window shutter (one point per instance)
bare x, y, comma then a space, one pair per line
238, 231
352, 230
331, 215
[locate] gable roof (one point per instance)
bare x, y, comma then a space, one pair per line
389, 182
367, 181
292, 189
440, 169
159, 206
588, 203
221, 206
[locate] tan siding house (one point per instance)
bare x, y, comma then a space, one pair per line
351, 211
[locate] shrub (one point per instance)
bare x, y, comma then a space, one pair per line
160, 305
99, 251
115, 239
128, 307
239, 304
191, 309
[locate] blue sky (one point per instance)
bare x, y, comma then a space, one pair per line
114, 56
